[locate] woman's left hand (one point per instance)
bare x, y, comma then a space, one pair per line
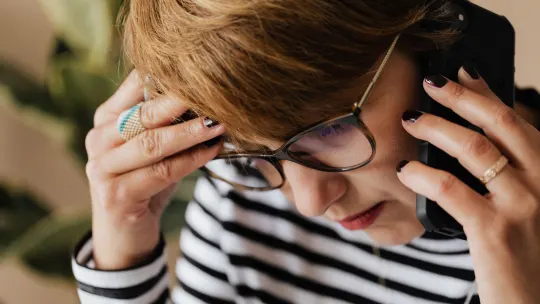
502, 227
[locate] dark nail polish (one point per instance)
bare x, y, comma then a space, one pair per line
436, 81
212, 142
469, 68
401, 165
411, 115
209, 123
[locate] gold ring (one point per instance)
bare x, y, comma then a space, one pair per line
129, 122
492, 172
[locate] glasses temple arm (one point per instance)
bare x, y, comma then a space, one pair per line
357, 105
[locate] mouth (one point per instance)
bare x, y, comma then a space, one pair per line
364, 219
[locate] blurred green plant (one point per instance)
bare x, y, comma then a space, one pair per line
18, 212
85, 68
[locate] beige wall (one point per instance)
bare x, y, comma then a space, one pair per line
25, 35
25, 39
524, 16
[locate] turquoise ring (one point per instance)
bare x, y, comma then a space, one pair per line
129, 122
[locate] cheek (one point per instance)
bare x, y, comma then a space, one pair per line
393, 142
384, 120
393, 145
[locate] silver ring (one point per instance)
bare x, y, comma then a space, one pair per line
129, 123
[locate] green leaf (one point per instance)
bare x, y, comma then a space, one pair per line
48, 246
85, 25
78, 90
26, 90
115, 6
74, 95
72, 89
187, 186
174, 216
19, 210
73, 84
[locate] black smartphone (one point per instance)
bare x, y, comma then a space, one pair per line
487, 42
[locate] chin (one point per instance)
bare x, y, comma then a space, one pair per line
396, 232
392, 236
397, 225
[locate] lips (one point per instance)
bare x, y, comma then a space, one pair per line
364, 219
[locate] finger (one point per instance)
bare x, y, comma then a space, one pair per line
473, 150
154, 145
161, 111
500, 123
130, 92
101, 139
154, 113
158, 176
459, 200
469, 77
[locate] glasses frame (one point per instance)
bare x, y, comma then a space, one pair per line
282, 153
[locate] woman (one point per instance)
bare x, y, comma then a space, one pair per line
267, 71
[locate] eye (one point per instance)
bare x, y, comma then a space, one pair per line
336, 129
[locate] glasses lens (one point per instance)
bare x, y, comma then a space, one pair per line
338, 145
251, 172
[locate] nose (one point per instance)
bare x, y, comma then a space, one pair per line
313, 191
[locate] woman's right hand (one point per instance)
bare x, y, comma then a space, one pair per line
132, 182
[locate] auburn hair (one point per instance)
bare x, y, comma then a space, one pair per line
266, 68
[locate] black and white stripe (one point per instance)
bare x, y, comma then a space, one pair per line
255, 248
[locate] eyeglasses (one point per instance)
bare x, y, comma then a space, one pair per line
340, 144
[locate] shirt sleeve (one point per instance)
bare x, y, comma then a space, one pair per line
201, 270
145, 283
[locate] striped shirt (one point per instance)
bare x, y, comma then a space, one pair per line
254, 247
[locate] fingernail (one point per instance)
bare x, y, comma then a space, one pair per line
437, 81
401, 165
209, 123
411, 115
469, 69
146, 94
212, 142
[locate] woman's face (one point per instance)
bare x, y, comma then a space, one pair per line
339, 196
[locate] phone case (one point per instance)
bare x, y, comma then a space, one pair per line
488, 43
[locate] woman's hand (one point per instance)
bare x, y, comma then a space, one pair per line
503, 227
132, 182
